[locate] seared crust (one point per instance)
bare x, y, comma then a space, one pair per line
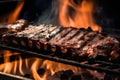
67, 42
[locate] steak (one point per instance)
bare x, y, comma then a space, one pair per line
66, 42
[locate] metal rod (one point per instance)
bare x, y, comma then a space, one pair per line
65, 61
5, 76
106, 63
14, 57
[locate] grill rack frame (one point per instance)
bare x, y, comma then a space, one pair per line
106, 67
5, 76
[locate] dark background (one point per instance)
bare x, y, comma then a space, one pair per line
108, 15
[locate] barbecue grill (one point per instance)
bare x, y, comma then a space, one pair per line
109, 67
104, 65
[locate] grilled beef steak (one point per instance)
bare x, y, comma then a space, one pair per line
66, 41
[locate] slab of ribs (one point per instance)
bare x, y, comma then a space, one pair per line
62, 41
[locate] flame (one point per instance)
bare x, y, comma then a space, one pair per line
8, 66
34, 69
20, 66
55, 66
32, 65
14, 67
79, 14
15, 14
51, 67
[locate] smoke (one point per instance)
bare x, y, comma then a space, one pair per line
46, 12
68, 13
50, 15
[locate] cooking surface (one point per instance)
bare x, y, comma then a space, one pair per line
56, 35
66, 42
103, 66
107, 17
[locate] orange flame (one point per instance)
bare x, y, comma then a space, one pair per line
79, 15
32, 65
15, 14
55, 67
20, 66
8, 66
14, 67
34, 69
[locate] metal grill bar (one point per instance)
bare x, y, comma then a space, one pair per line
14, 57
4, 76
106, 68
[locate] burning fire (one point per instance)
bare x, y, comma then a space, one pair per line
15, 14
23, 66
69, 13
11, 67
32, 65
77, 13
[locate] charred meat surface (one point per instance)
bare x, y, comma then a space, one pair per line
13, 27
66, 41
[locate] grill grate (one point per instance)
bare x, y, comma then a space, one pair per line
103, 66
4, 76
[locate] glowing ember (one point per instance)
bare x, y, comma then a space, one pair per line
77, 14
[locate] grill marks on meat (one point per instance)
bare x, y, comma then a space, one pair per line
75, 39
57, 37
103, 47
89, 38
53, 42
66, 41
60, 43
88, 44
